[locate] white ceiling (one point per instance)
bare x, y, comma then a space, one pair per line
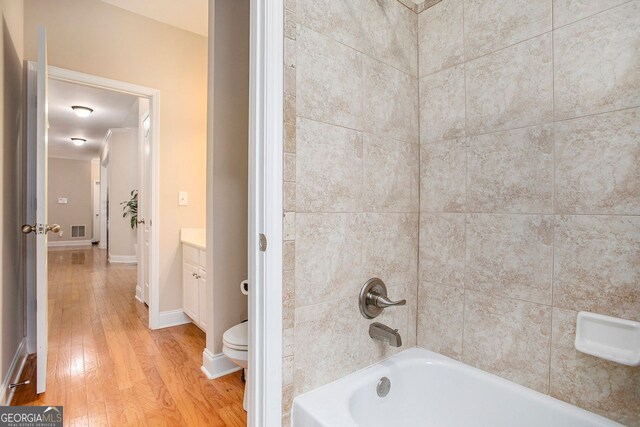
190, 15
110, 109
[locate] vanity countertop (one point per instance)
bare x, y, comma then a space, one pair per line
196, 237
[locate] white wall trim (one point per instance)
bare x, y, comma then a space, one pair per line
67, 243
265, 213
170, 318
14, 372
122, 259
217, 365
139, 295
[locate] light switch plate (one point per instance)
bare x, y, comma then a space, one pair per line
62, 200
183, 198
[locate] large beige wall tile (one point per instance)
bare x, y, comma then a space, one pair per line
440, 37
509, 338
338, 19
511, 171
440, 318
390, 248
491, 25
390, 101
442, 109
598, 164
328, 80
606, 388
328, 261
510, 88
597, 265
443, 176
327, 343
510, 255
596, 63
328, 168
442, 253
391, 175
391, 34
568, 11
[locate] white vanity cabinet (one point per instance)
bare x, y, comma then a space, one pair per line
194, 284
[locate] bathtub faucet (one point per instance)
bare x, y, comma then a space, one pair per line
381, 332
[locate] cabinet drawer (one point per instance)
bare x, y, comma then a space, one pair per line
190, 254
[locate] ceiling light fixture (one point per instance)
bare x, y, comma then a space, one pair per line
82, 111
78, 141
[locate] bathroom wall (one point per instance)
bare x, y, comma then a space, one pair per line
351, 182
530, 189
71, 179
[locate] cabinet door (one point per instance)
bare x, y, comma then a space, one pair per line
202, 300
190, 290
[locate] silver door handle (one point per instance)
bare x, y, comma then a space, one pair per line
26, 229
53, 227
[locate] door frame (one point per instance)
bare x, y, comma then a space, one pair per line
266, 150
153, 95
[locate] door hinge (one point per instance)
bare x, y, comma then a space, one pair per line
263, 242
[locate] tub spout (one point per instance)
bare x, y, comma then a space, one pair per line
381, 332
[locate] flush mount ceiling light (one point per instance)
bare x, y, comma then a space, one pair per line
82, 111
78, 141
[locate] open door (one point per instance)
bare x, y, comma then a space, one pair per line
37, 225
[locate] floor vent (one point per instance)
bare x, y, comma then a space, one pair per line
78, 231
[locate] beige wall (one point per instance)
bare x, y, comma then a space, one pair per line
542, 115
123, 178
351, 184
528, 199
227, 174
70, 179
11, 204
120, 45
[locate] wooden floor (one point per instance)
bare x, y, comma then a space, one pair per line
107, 368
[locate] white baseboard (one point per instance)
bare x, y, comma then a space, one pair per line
139, 295
13, 375
123, 259
172, 318
64, 243
217, 365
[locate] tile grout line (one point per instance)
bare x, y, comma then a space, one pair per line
417, 248
553, 188
466, 182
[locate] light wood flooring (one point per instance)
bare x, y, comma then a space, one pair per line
107, 368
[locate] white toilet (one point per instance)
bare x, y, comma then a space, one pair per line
235, 346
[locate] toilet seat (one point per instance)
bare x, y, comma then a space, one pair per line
237, 337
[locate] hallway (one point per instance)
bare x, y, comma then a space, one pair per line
107, 368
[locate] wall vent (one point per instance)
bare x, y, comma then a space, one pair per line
78, 231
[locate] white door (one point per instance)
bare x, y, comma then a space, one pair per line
146, 205
96, 211
37, 226
202, 299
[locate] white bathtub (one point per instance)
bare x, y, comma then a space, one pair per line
428, 389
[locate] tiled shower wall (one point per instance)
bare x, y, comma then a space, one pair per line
497, 139
352, 182
530, 189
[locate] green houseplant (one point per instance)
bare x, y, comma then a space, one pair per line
131, 208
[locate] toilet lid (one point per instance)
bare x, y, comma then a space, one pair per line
237, 337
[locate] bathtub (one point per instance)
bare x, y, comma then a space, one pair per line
428, 389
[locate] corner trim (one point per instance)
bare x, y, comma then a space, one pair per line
139, 295
65, 243
14, 372
217, 365
170, 318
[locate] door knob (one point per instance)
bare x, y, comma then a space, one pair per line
53, 227
141, 221
26, 229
